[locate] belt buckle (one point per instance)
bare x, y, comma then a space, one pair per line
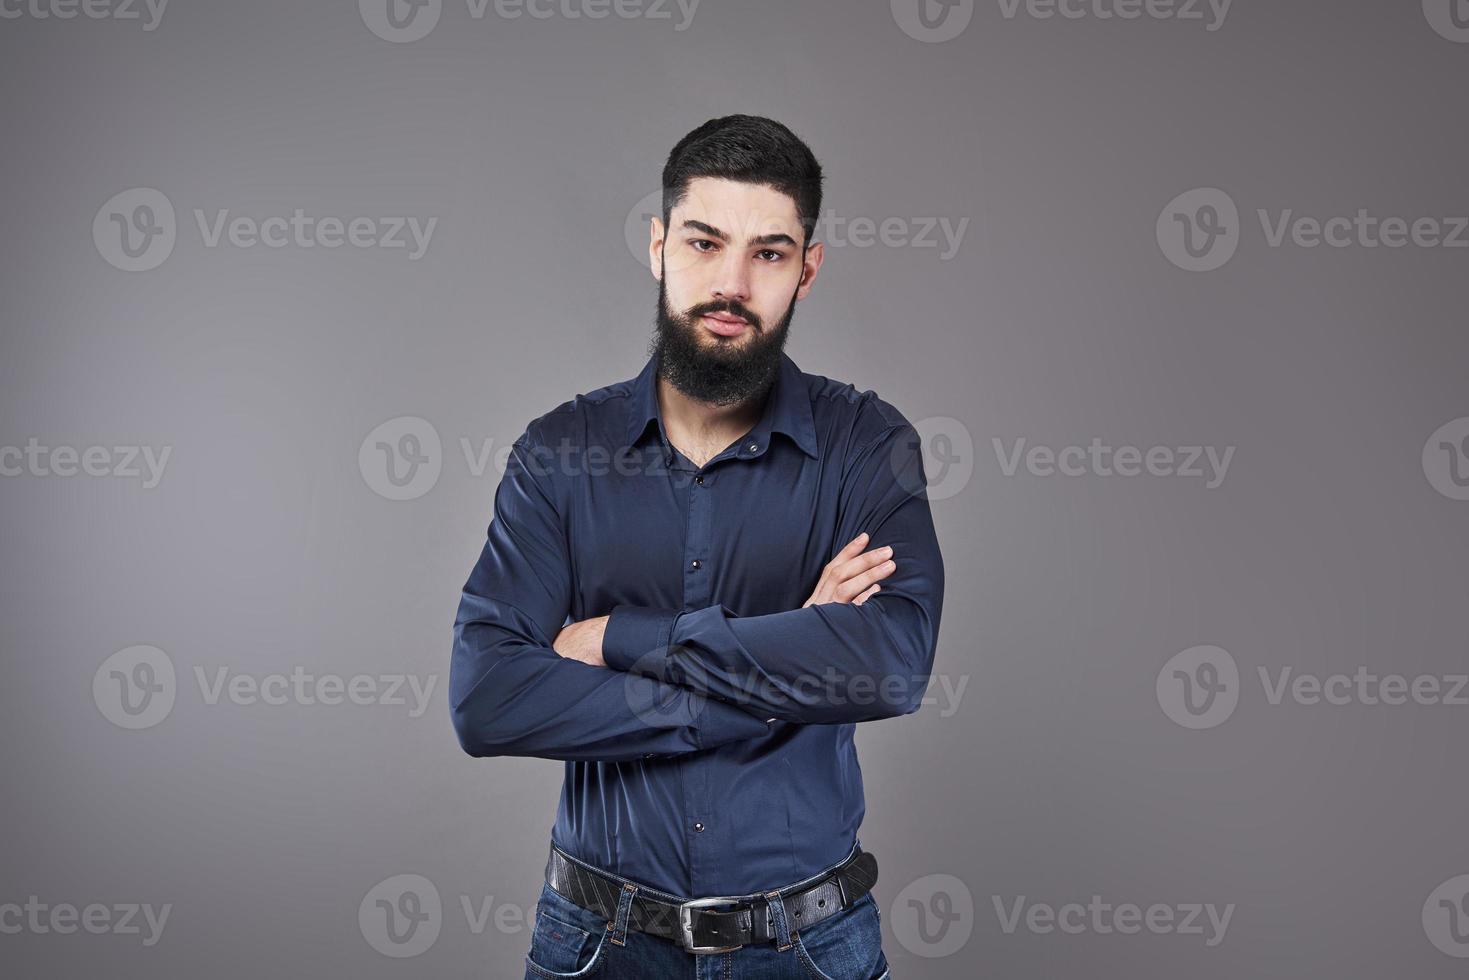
686, 923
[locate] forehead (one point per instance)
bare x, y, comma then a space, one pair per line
740, 210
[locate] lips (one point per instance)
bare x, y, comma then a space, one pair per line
724, 324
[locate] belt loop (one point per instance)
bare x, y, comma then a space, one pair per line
785, 936
618, 925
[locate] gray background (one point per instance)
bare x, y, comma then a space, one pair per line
265, 547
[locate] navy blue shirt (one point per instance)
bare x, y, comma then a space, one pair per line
713, 754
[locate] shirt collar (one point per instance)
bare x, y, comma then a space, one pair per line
787, 409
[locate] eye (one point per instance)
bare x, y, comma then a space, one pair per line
774, 255
698, 242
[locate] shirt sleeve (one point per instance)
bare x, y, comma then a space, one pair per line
512, 694
829, 663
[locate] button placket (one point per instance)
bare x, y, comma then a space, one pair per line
698, 593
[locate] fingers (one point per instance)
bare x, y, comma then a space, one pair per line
852, 575
855, 585
853, 567
853, 547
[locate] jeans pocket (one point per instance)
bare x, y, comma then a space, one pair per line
567, 941
845, 946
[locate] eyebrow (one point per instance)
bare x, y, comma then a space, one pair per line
777, 238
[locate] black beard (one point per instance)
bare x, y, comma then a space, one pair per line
720, 373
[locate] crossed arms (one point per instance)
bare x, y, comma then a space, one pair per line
643, 682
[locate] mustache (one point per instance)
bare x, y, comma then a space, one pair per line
724, 306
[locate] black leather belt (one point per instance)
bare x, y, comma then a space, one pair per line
713, 925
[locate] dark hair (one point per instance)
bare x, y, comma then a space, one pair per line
751, 149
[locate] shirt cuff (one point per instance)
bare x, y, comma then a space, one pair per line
637, 634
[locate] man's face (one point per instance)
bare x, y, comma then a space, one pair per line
730, 270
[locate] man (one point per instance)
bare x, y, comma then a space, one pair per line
695, 584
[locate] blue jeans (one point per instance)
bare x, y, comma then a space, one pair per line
569, 941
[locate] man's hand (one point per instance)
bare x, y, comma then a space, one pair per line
852, 577
582, 641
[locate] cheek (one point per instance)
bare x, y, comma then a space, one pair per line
771, 299
685, 288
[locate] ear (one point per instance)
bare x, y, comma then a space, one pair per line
655, 247
810, 265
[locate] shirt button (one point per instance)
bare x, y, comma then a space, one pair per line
753, 447
695, 563
698, 827
699, 480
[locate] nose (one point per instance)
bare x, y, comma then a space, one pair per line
732, 281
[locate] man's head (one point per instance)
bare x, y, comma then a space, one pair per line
732, 255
